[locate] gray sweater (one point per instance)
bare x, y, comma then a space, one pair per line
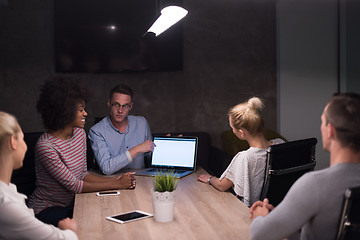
313, 204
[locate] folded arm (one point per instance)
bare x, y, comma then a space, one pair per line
93, 183
298, 207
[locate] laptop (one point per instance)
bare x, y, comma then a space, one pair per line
177, 154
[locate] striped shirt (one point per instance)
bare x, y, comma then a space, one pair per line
60, 169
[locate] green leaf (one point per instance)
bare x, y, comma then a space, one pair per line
165, 181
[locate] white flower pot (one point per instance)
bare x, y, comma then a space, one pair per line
163, 203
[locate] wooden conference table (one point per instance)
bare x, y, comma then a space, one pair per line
201, 212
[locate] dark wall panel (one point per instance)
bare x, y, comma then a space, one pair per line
229, 56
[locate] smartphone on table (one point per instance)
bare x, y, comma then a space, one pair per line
108, 193
129, 216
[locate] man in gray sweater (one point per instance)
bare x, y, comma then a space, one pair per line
314, 202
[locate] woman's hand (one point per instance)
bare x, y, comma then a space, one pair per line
126, 181
204, 178
68, 223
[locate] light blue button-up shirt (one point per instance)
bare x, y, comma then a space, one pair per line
110, 145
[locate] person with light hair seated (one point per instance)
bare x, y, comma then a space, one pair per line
17, 221
245, 174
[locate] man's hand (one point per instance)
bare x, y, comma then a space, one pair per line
68, 223
126, 181
169, 135
147, 146
260, 208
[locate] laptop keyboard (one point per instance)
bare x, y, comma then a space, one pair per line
154, 170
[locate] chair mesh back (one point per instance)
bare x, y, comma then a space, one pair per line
286, 163
24, 178
280, 185
292, 154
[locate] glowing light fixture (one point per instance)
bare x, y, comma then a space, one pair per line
111, 27
169, 16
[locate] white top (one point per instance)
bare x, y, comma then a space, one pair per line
17, 221
247, 172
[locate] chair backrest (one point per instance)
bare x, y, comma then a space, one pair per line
349, 226
90, 157
25, 177
285, 163
231, 144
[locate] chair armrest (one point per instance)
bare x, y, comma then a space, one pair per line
293, 169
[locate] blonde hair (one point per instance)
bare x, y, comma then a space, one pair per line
9, 126
248, 115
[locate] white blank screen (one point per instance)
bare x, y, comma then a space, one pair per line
174, 152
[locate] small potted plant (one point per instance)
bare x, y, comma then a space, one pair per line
163, 196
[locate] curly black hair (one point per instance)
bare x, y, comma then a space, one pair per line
57, 102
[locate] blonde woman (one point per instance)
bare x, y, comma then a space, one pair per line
245, 174
17, 221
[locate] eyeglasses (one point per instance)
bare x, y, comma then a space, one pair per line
125, 107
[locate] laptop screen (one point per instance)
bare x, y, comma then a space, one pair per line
174, 152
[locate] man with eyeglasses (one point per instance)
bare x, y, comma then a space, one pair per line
120, 140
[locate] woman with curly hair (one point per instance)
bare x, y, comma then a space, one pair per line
60, 153
245, 174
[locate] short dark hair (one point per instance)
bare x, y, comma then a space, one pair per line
57, 102
343, 112
121, 88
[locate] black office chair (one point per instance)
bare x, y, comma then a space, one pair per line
285, 163
349, 227
231, 144
25, 178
